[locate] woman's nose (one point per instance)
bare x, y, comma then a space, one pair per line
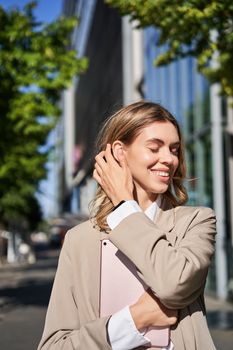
166, 157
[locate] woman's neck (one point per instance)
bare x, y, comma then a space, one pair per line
144, 198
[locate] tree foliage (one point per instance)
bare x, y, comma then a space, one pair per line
36, 64
201, 28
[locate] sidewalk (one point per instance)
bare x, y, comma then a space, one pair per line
14, 275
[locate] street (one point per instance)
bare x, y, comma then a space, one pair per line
24, 294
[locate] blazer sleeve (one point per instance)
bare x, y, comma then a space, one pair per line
62, 327
175, 274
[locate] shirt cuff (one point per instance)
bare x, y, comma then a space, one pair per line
124, 210
169, 347
123, 333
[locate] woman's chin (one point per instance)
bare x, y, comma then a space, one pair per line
160, 189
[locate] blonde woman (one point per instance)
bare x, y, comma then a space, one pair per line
139, 206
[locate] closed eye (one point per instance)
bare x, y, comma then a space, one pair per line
175, 151
154, 150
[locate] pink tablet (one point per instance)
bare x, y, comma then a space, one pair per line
121, 286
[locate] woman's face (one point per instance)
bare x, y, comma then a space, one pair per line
153, 157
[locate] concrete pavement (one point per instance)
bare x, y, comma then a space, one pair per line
24, 295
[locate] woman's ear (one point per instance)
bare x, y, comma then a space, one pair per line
117, 149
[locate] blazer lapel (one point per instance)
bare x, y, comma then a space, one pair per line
165, 219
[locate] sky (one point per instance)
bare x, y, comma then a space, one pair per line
46, 11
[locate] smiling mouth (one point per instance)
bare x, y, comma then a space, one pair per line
164, 174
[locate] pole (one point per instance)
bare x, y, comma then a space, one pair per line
218, 191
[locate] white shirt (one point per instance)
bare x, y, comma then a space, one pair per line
122, 332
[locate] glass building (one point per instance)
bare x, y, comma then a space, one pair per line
186, 93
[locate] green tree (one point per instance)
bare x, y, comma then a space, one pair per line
199, 28
36, 64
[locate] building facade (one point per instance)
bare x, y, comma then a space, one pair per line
94, 95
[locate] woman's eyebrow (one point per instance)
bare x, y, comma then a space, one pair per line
155, 140
161, 142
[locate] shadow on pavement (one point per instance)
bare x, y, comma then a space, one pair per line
31, 292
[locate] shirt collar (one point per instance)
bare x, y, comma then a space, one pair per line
152, 209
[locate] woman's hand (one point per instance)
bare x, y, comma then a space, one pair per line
114, 178
148, 311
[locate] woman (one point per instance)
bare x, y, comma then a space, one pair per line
139, 207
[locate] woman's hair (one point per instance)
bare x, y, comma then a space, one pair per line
125, 125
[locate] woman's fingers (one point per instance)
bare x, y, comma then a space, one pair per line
100, 160
149, 311
98, 169
114, 179
106, 161
97, 177
109, 156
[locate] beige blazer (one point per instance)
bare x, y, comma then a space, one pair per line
172, 256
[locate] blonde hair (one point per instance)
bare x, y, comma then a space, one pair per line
125, 125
